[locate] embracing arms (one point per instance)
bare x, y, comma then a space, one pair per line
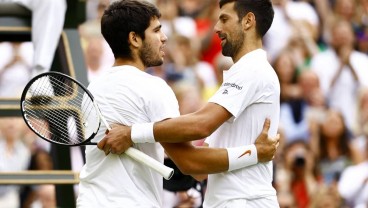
198, 125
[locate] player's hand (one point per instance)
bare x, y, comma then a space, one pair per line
117, 140
266, 146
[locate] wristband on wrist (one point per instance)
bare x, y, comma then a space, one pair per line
142, 133
240, 157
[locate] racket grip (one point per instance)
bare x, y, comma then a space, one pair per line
141, 157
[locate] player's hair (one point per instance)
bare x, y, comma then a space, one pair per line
123, 17
262, 9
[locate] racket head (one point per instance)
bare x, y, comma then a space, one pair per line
59, 109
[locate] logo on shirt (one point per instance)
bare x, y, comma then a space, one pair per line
246, 152
225, 92
232, 85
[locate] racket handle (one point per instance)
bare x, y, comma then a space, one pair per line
141, 157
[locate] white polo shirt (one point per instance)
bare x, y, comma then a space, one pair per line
126, 95
250, 92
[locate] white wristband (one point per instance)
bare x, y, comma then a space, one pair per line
142, 133
240, 157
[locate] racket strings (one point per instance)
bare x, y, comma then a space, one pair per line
70, 102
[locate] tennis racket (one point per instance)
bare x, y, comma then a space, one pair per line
60, 110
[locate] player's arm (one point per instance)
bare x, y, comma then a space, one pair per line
192, 160
188, 127
197, 160
187, 159
194, 126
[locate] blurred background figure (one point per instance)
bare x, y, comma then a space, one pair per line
97, 53
287, 15
15, 67
353, 184
331, 144
296, 113
14, 157
341, 70
295, 177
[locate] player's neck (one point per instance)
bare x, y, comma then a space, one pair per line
130, 62
248, 46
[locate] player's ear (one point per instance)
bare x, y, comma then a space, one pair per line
248, 20
134, 39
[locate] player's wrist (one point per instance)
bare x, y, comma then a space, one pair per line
241, 157
142, 133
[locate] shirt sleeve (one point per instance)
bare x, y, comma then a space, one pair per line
241, 90
163, 106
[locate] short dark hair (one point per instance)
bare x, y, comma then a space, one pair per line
123, 17
262, 9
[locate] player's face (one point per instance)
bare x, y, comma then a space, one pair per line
229, 30
152, 53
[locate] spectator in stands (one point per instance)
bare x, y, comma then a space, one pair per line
341, 71
172, 23
186, 62
361, 125
286, 13
335, 151
362, 39
296, 113
94, 56
97, 53
296, 175
353, 184
326, 197
40, 160
14, 156
15, 67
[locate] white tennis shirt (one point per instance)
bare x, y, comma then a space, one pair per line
250, 92
126, 95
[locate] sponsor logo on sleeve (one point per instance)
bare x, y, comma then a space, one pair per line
228, 84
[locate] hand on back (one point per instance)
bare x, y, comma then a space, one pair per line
117, 140
266, 146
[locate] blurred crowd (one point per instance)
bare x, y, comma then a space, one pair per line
319, 50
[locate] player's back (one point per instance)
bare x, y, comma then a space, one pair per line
126, 96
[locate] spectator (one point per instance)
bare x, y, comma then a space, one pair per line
361, 127
286, 13
341, 71
353, 184
295, 114
185, 59
14, 156
172, 23
326, 197
297, 174
335, 151
40, 160
286, 71
97, 53
15, 68
362, 39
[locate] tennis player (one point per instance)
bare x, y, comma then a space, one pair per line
128, 95
249, 93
